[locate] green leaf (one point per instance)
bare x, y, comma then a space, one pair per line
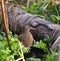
41, 45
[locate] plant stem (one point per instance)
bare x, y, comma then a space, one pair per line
5, 21
21, 51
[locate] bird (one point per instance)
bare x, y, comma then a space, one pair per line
26, 37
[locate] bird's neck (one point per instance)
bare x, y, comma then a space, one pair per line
25, 31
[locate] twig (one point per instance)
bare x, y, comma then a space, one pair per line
55, 44
5, 21
18, 59
21, 51
28, 1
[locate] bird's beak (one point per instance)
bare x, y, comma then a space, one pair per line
31, 28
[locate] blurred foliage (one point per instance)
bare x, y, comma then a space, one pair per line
41, 45
5, 53
45, 8
47, 57
33, 59
50, 57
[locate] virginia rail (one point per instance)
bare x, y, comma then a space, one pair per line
26, 37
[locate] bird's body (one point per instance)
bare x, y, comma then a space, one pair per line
26, 37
